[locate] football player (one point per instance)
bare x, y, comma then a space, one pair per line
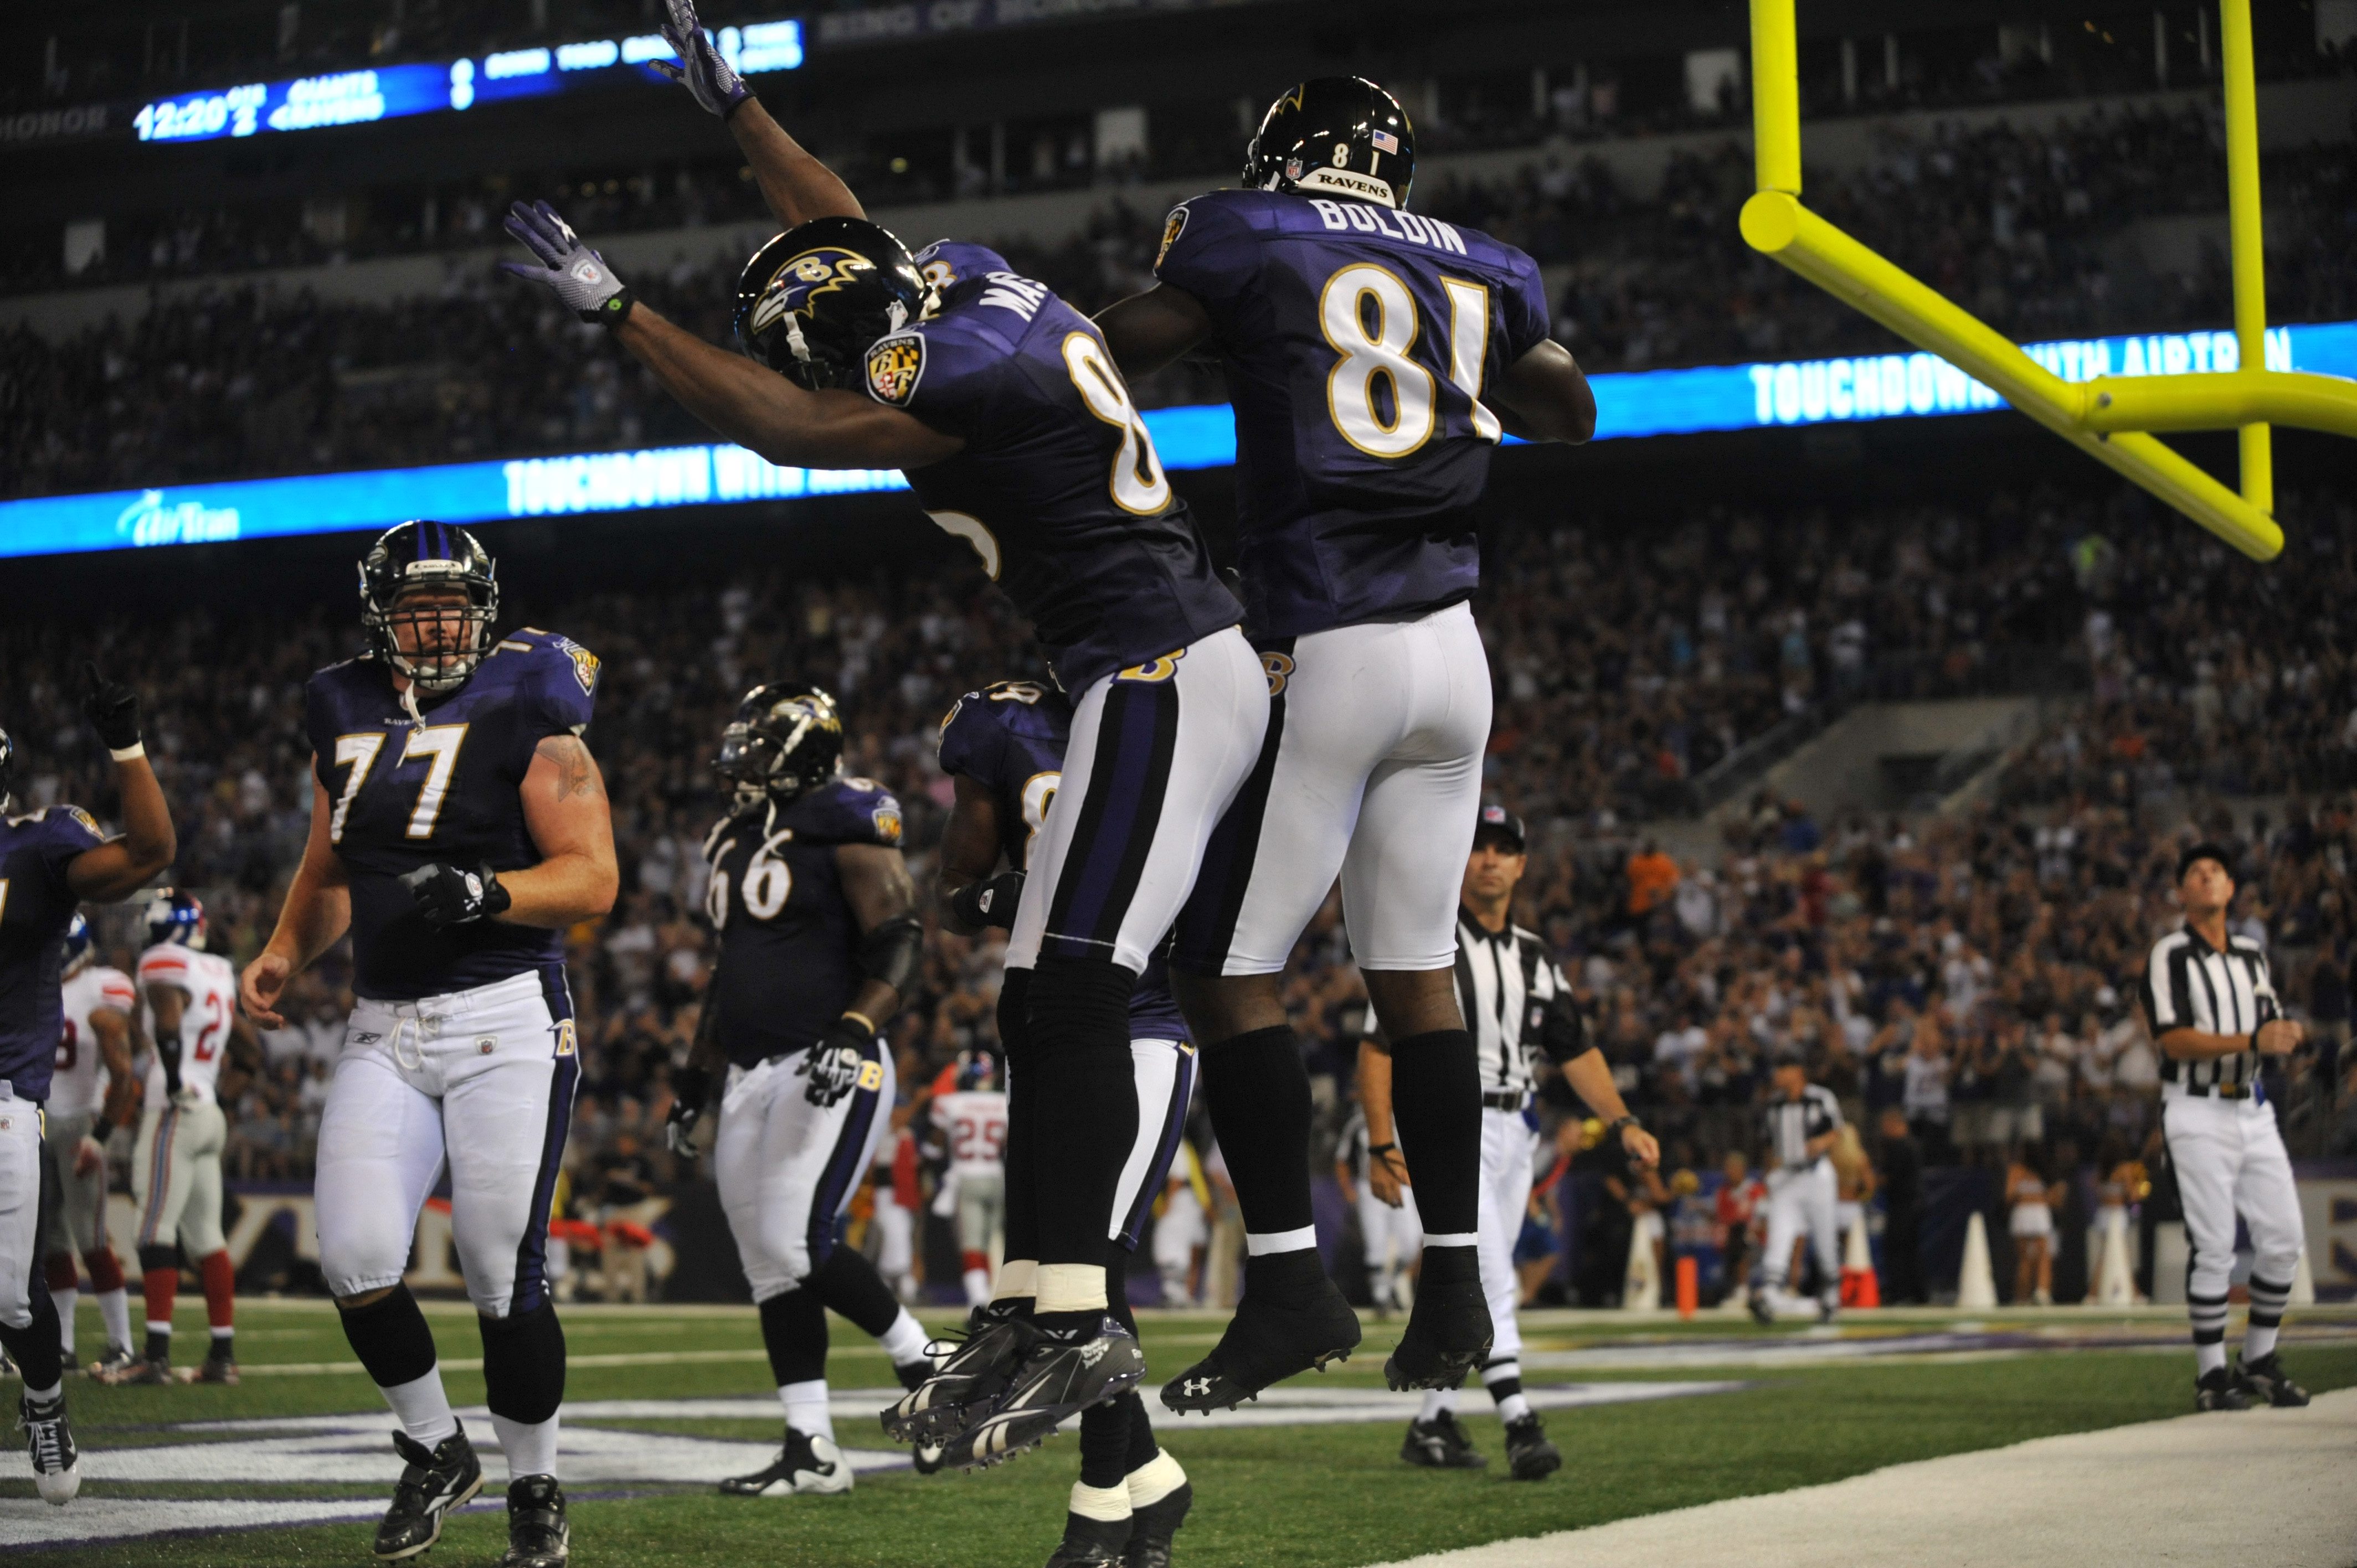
1374, 358
51, 859
969, 1106
459, 827
1004, 746
188, 1010
1018, 436
93, 1093
819, 943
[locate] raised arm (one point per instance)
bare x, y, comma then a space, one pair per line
796, 185
1544, 396
117, 869
1148, 331
318, 910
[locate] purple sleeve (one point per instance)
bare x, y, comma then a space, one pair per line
1209, 250
566, 687
1523, 309
970, 742
67, 831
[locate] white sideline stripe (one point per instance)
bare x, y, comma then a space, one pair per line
2269, 1485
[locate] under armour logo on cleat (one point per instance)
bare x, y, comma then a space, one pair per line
1198, 1387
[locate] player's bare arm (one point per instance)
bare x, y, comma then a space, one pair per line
796, 185
317, 911
1387, 1170
117, 869
1149, 331
969, 855
244, 1061
1544, 396
564, 811
113, 1027
883, 899
1589, 1077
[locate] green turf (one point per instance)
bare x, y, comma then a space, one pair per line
1310, 1496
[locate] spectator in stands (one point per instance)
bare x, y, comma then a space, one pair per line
1902, 1211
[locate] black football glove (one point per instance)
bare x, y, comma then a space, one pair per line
990, 903
111, 709
691, 1089
833, 1065
447, 896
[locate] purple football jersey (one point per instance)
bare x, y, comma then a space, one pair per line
404, 796
1058, 490
1357, 342
1010, 738
37, 904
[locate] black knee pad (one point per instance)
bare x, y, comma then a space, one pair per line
524, 1364
151, 1256
391, 1339
849, 1283
1079, 1004
793, 1330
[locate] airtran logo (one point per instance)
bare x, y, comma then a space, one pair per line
148, 520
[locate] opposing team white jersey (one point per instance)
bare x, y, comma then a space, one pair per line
211, 986
974, 1121
79, 1086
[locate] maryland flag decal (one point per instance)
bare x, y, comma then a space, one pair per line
1172, 227
895, 365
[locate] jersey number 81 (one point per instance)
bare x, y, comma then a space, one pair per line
1370, 319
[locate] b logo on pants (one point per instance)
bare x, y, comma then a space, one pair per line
563, 1030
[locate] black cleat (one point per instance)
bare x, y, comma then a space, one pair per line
2262, 1383
1059, 1379
435, 1481
1440, 1444
925, 1459
1529, 1455
1091, 1544
974, 1374
1266, 1345
805, 1463
1447, 1333
1763, 1312
914, 1374
1151, 1528
48, 1436
538, 1536
118, 1360
216, 1369
2215, 1390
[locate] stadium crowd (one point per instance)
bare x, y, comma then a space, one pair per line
250, 379
1975, 970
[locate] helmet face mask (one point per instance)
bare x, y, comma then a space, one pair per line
786, 738
429, 594
1338, 135
814, 299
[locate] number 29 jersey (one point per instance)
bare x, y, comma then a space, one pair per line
1356, 341
403, 796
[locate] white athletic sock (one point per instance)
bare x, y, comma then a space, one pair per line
1154, 1480
1070, 1287
2257, 1342
1465, 1239
529, 1445
977, 1286
1104, 1504
806, 1408
423, 1408
1262, 1243
114, 1311
905, 1341
2208, 1358
1513, 1407
155, 1327
1436, 1401
67, 1301
42, 1396
1017, 1279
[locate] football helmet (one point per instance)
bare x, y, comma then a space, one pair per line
174, 915
977, 1069
80, 949
411, 557
813, 300
1340, 135
786, 737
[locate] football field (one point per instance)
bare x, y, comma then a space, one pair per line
1651, 1415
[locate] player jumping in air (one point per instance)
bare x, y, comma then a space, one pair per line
459, 827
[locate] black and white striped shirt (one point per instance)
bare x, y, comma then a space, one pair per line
1515, 1001
1793, 1122
2189, 984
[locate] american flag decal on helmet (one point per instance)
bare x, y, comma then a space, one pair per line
1384, 141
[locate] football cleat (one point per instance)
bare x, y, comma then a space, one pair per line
1091, 1544
1448, 1335
2215, 1390
2262, 1383
926, 1458
1440, 1444
118, 1359
56, 1462
143, 1371
1152, 1527
538, 1536
912, 1374
1830, 1308
216, 1369
433, 1482
1529, 1455
1264, 1344
973, 1373
1763, 1310
807, 1463
1060, 1377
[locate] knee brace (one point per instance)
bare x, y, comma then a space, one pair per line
524, 1364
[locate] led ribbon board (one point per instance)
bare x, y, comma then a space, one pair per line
390, 92
1860, 388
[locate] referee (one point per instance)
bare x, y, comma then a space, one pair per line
1802, 1121
2212, 1007
1519, 1007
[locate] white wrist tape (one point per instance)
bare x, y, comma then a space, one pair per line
137, 749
